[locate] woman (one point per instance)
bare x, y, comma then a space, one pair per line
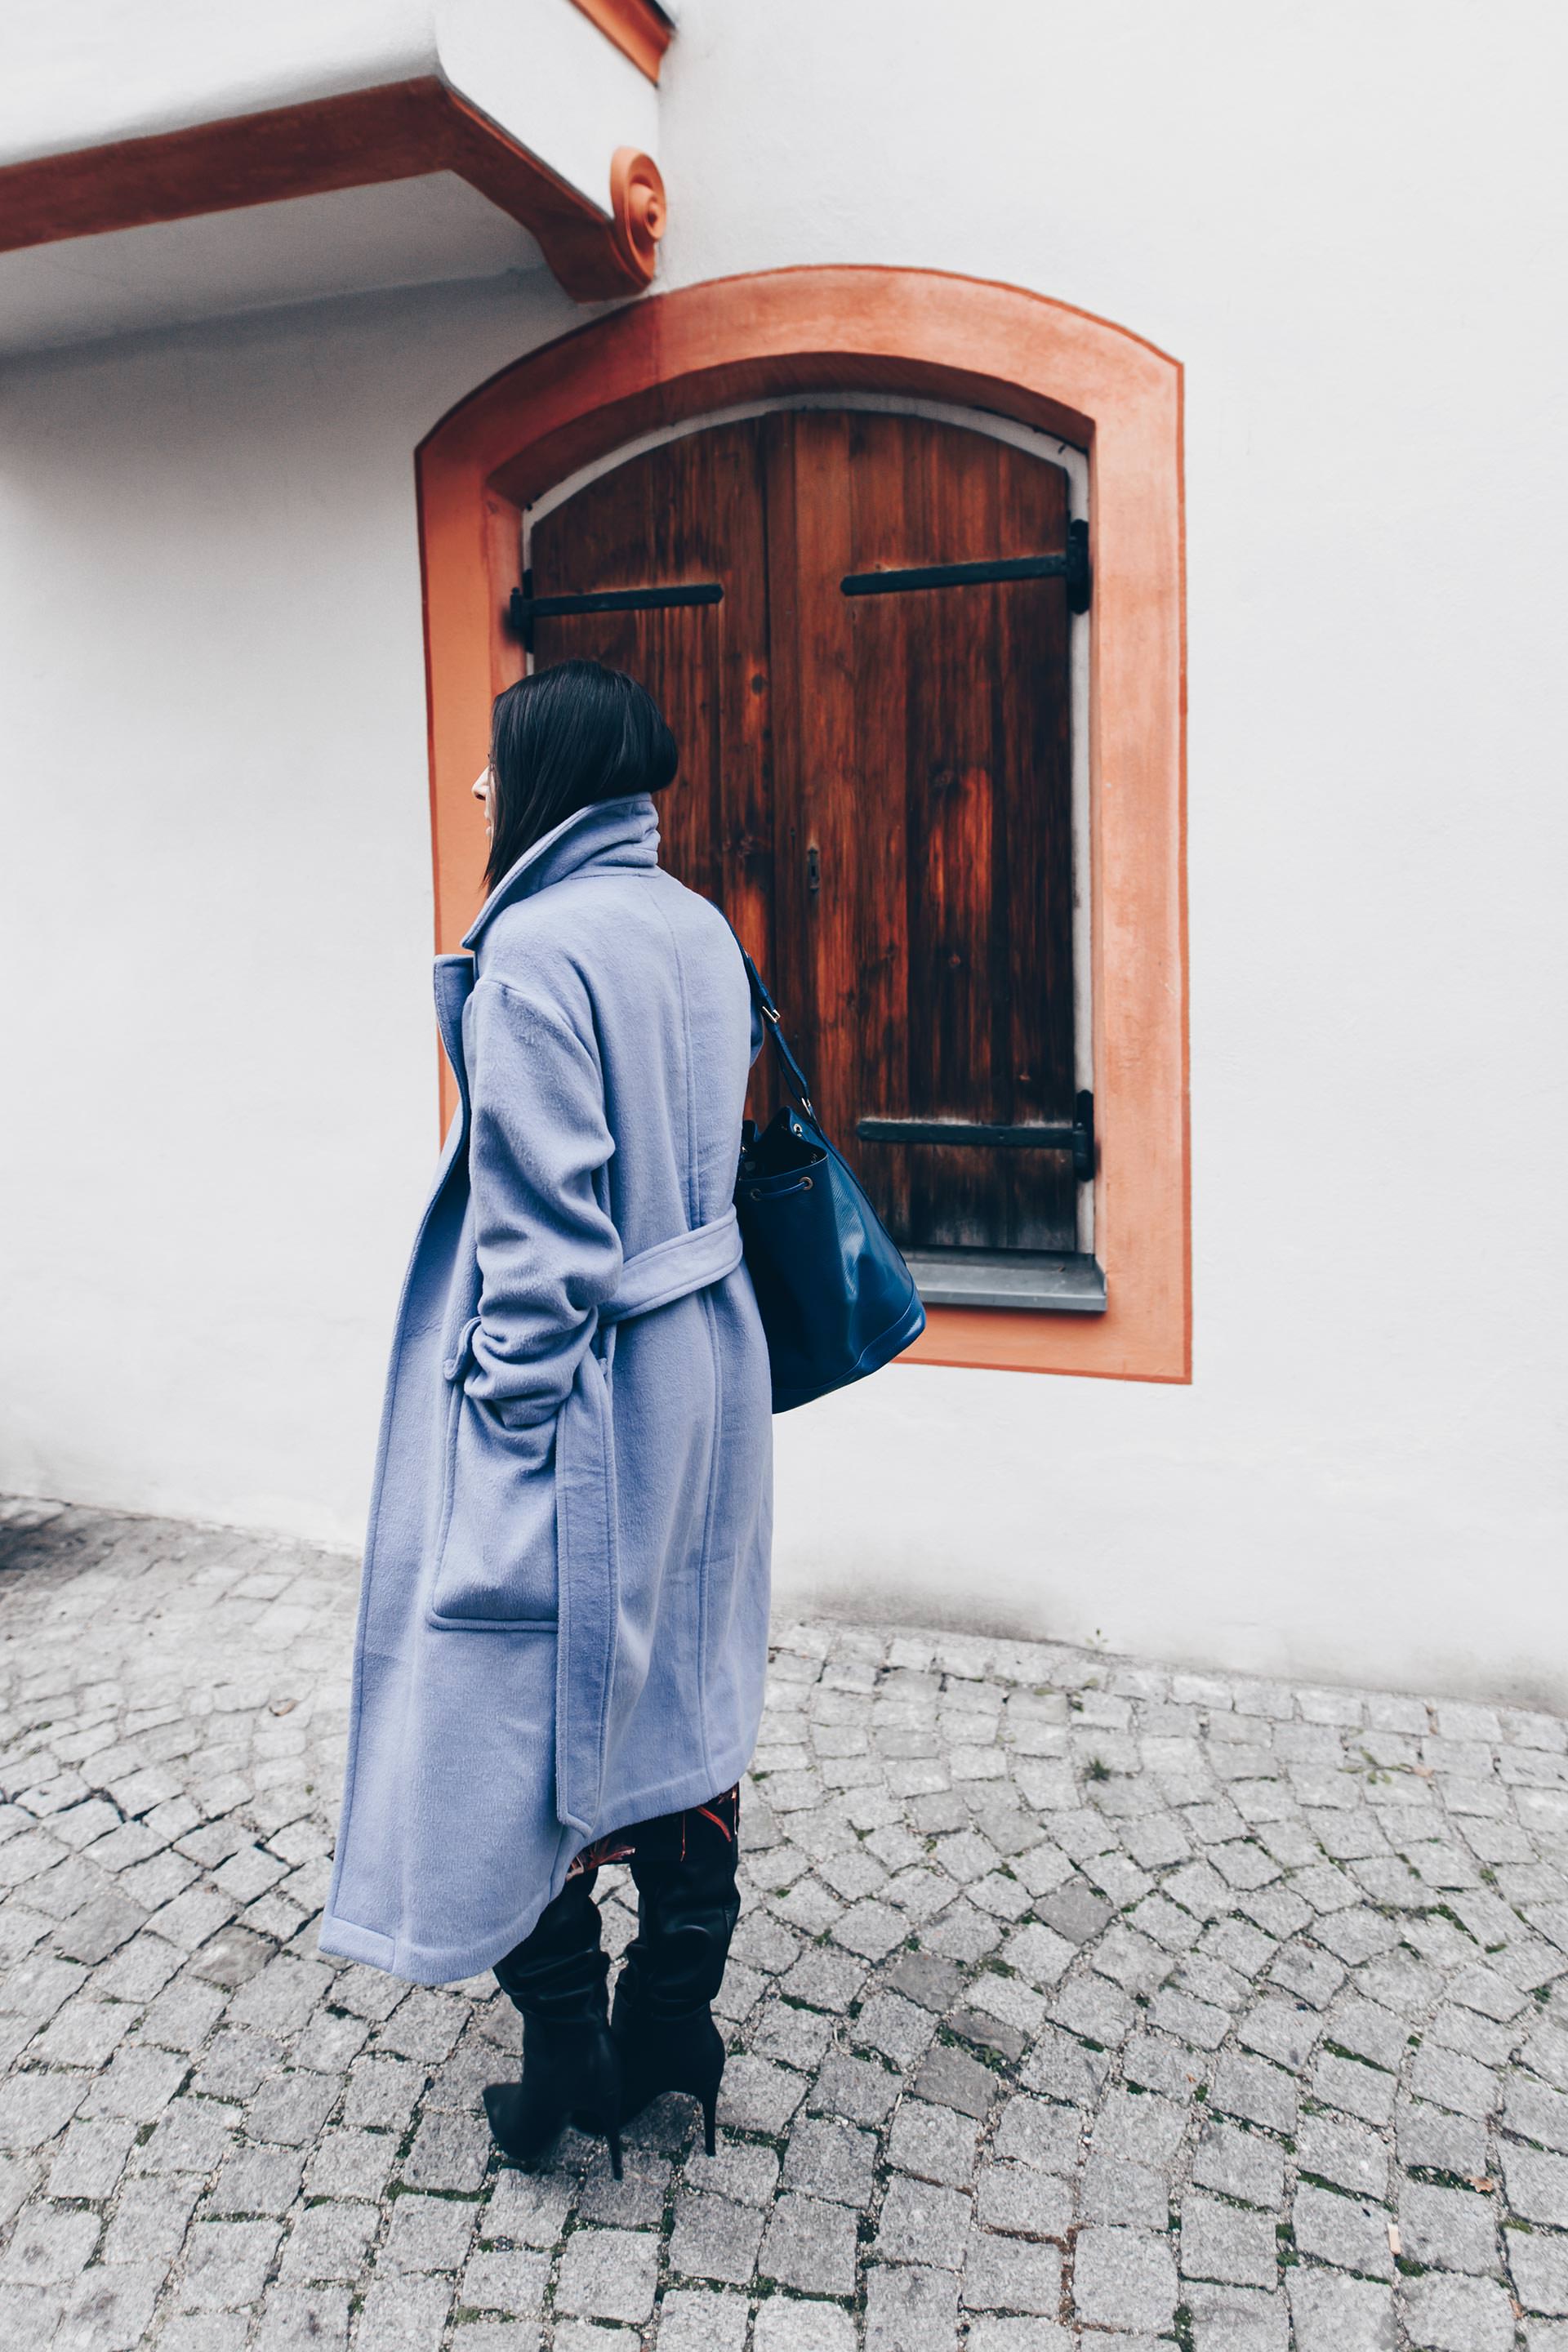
563, 1622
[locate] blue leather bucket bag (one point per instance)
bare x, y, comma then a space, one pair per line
837, 1300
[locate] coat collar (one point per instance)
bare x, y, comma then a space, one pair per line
603, 836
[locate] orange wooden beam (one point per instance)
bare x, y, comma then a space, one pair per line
361, 138
639, 30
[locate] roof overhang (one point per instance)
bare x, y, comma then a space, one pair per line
118, 118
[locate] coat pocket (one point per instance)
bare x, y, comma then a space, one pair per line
495, 1552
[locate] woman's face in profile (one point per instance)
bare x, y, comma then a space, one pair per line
485, 794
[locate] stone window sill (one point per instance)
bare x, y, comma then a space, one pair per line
1066, 1283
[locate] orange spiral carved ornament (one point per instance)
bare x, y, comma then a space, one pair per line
638, 212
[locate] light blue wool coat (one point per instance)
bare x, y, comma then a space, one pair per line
563, 1622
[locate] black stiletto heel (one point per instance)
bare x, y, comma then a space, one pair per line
668, 2053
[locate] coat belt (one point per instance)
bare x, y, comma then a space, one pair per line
587, 1515
687, 1262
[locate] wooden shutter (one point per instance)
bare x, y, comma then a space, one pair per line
877, 788
690, 511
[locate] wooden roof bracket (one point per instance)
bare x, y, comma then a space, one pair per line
360, 139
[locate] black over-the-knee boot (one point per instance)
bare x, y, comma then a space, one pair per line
684, 1868
571, 2073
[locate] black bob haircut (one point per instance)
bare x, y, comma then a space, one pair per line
561, 741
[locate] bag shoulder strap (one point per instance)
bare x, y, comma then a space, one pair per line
794, 1077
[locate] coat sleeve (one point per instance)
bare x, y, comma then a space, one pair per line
549, 1254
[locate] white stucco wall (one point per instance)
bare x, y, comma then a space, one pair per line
215, 904
1346, 222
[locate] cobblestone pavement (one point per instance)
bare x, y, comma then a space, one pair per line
1077, 2003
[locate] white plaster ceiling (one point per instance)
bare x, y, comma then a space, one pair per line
407, 233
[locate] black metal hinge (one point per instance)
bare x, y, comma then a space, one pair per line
526, 607
1072, 567
1078, 1139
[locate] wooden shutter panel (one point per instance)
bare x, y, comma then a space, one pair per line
692, 511
877, 788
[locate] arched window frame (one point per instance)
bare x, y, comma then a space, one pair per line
909, 337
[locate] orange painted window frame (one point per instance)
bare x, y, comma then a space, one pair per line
982, 346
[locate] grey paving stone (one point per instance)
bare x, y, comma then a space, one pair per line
1016, 2197
1356, 2089
1123, 2279
1349, 2231
49, 2244
831, 2159
738, 2169
911, 2310
951, 2078
449, 2152
138, 2084
109, 2310
796, 2037
328, 2242
1240, 2164
1346, 2153
1448, 2228
921, 1977
1135, 2195
1449, 2080
304, 2319
1439, 2139
382, 2092
1285, 2031
810, 2244
426, 2233
716, 2237
1332, 2313
256, 2180
34, 2108
1536, 2183
91, 2158
403, 2315
226, 2263
785, 2325
859, 2089
1094, 2009
511, 2282
1005, 2273
700, 2319
608, 2274
635, 2201
351, 2164
758, 2097
191, 2136
1446, 2314
525, 2208
1144, 2129
1235, 2319
1037, 2132
1538, 2264
150, 2221
1226, 2242
935, 2143
1254, 2089
923, 2223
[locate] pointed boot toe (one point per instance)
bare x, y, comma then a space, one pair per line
567, 2079
517, 2128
